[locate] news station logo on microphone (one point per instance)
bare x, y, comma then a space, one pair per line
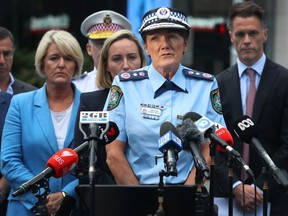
170, 137
98, 117
63, 162
203, 124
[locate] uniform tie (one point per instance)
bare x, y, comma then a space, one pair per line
168, 85
249, 110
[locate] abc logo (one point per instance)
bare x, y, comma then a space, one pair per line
246, 123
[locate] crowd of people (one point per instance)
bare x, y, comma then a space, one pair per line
139, 99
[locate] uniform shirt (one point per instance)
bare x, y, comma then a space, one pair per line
139, 116
87, 82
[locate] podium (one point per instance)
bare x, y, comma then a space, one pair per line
142, 200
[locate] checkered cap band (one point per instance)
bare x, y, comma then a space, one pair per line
100, 31
170, 18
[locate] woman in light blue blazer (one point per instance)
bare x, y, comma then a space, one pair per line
41, 122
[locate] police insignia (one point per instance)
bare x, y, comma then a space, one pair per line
215, 99
114, 97
133, 75
197, 74
107, 21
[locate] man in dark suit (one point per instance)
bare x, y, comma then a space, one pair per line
11, 86
248, 33
7, 82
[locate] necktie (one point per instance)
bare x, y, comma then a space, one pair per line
168, 85
249, 110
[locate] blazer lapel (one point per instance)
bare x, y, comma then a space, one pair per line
43, 116
70, 133
234, 95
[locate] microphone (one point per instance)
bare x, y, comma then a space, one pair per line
245, 129
191, 137
60, 164
224, 134
170, 144
108, 136
224, 140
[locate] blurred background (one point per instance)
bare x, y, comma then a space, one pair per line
209, 50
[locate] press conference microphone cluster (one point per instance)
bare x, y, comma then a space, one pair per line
246, 130
170, 145
60, 164
206, 129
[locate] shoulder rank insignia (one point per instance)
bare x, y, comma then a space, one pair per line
133, 75
197, 74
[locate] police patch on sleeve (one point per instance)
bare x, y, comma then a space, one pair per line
114, 97
215, 100
197, 74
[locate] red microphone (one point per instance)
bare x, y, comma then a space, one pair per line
58, 165
225, 135
63, 162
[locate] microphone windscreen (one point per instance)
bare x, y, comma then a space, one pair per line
193, 116
245, 128
166, 126
188, 131
63, 162
226, 136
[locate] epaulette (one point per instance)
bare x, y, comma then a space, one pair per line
197, 74
133, 75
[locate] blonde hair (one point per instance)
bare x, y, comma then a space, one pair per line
104, 79
66, 43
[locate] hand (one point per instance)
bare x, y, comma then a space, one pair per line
249, 192
2, 196
53, 202
4, 188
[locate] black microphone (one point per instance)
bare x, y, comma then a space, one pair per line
246, 130
191, 138
170, 144
108, 136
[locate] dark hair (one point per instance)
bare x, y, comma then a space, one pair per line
5, 33
246, 9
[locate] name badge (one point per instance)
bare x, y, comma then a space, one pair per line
150, 111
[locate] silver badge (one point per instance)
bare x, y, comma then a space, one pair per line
163, 13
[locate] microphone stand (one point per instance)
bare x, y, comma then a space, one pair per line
230, 185
39, 209
265, 177
93, 145
212, 208
201, 200
169, 171
160, 211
